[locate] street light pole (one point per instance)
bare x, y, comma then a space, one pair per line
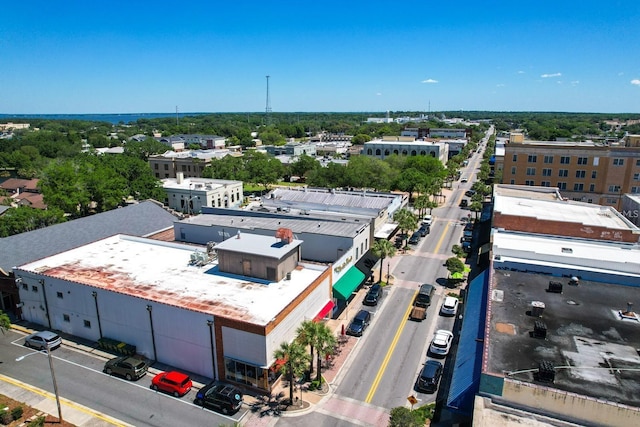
53, 378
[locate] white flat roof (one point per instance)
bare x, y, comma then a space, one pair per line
545, 250
161, 272
197, 184
562, 210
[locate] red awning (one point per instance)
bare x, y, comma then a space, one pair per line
325, 310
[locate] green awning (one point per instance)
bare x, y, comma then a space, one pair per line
348, 283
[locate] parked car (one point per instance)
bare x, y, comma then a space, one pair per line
220, 397
470, 193
441, 343
466, 247
464, 203
415, 238
468, 226
429, 377
449, 306
467, 236
43, 339
424, 230
359, 323
373, 295
427, 220
464, 180
172, 382
129, 367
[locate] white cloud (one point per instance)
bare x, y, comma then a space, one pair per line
500, 85
575, 82
379, 94
520, 72
546, 76
430, 81
635, 82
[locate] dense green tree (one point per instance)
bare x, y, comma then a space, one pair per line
405, 219
143, 149
25, 218
405, 417
325, 343
5, 322
303, 165
306, 335
228, 167
454, 265
263, 169
360, 139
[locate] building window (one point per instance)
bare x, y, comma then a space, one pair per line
581, 174
565, 160
596, 161
87, 324
166, 167
562, 185
546, 172
636, 176
614, 189
155, 166
548, 159
25, 286
589, 200
513, 170
578, 187
546, 183
637, 162
618, 162
531, 171
635, 190
532, 158
612, 201
60, 295
529, 182
512, 182
34, 288
583, 160
594, 174
515, 157
66, 318
563, 172
592, 187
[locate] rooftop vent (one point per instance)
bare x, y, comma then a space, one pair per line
546, 372
539, 329
555, 287
284, 234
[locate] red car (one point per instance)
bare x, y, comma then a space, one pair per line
172, 382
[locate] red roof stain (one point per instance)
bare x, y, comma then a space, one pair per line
119, 282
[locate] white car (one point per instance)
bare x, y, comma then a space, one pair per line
449, 306
441, 343
427, 220
464, 180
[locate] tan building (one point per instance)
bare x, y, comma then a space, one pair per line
190, 163
582, 171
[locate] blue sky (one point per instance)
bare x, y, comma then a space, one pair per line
350, 55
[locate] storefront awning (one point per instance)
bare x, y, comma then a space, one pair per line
325, 310
348, 283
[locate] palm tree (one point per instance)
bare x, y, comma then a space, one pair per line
296, 358
307, 333
383, 248
325, 343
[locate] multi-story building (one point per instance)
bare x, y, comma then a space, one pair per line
406, 146
583, 171
190, 195
190, 163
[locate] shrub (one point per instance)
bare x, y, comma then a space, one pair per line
16, 413
315, 385
38, 422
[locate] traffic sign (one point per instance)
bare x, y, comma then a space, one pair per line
412, 400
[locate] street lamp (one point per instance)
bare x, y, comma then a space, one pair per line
53, 377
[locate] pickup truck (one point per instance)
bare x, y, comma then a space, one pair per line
418, 313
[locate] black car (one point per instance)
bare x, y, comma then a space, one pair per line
424, 230
469, 193
359, 323
468, 226
373, 295
415, 238
220, 397
429, 377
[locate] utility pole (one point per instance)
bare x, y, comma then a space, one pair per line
268, 106
176, 115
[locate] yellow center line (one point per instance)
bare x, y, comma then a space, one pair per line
392, 347
387, 357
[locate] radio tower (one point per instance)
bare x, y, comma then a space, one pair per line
268, 107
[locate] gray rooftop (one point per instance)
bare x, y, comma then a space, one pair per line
141, 219
268, 246
363, 199
584, 332
263, 220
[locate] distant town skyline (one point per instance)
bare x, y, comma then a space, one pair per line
75, 57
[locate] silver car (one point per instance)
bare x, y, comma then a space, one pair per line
43, 339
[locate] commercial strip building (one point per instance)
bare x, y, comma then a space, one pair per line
219, 313
583, 171
547, 331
